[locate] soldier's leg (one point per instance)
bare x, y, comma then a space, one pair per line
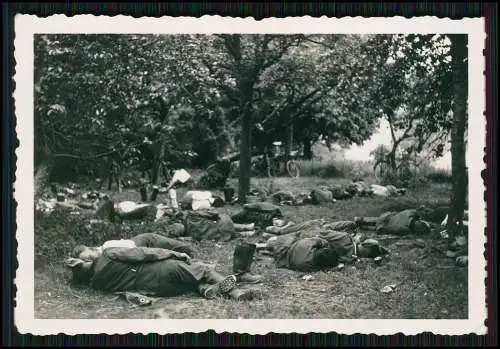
159, 241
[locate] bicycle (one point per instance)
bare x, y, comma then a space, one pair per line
277, 165
383, 167
273, 166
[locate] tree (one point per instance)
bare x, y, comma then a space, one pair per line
413, 90
103, 97
458, 164
249, 58
100, 96
345, 114
294, 87
318, 91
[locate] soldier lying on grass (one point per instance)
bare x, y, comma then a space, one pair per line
152, 271
313, 249
158, 265
408, 221
140, 240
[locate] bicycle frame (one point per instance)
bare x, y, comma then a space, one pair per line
401, 165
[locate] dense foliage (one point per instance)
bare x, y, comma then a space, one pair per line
413, 88
191, 98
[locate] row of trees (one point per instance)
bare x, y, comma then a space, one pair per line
102, 96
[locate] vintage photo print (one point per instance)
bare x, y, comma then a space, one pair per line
283, 175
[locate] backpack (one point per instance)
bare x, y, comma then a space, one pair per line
210, 225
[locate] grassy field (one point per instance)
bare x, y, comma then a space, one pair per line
428, 285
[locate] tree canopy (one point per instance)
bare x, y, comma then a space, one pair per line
413, 89
106, 96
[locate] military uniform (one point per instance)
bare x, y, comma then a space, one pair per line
153, 271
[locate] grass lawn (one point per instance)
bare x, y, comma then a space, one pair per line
428, 285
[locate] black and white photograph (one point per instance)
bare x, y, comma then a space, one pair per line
221, 173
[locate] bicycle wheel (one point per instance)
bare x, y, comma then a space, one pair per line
404, 172
415, 170
293, 168
380, 170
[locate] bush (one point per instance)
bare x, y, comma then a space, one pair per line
335, 169
320, 168
439, 176
391, 178
57, 233
417, 183
330, 172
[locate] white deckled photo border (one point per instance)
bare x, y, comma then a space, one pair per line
28, 25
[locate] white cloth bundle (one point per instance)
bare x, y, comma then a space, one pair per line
118, 243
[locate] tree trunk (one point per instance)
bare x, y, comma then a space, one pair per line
245, 156
289, 143
458, 164
43, 169
395, 144
158, 162
42, 174
245, 82
392, 159
308, 153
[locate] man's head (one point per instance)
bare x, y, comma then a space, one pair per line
325, 257
86, 253
81, 262
82, 270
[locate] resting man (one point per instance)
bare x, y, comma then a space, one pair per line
312, 250
242, 257
281, 227
152, 271
301, 254
141, 240
408, 221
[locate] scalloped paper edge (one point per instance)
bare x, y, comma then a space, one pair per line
27, 25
